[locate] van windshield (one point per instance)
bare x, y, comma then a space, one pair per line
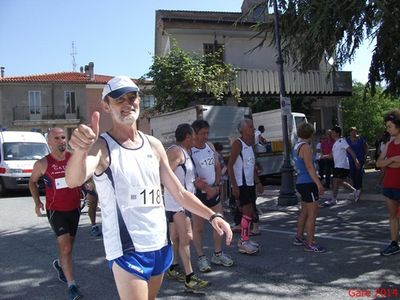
24, 151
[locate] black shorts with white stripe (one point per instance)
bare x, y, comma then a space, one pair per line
308, 192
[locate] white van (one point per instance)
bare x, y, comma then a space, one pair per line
19, 150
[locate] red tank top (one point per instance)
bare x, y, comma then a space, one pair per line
58, 196
392, 175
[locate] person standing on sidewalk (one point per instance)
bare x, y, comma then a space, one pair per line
129, 168
245, 182
389, 160
179, 222
62, 205
309, 187
360, 147
342, 167
209, 172
326, 159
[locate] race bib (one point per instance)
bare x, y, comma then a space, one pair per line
207, 162
61, 183
145, 197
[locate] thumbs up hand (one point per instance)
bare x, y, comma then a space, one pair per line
84, 136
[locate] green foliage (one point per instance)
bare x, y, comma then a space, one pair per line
314, 29
181, 78
365, 111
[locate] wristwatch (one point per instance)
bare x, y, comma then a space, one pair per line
216, 215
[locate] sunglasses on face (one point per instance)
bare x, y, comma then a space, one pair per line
131, 97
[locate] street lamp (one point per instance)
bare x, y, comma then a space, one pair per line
287, 194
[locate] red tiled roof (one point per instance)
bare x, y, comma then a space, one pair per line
62, 77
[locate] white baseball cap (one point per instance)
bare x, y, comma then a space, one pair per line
119, 86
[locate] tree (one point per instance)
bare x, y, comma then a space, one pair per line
365, 111
181, 78
313, 29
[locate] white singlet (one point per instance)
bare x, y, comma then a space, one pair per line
244, 165
340, 154
204, 161
132, 207
186, 175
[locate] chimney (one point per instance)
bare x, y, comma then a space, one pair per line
87, 71
91, 71
2, 71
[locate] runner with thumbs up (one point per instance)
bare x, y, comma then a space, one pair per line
129, 168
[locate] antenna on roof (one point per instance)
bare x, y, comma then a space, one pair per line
73, 54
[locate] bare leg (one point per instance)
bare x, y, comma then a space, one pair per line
92, 208
65, 244
301, 220
185, 236
198, 227
312, 212
132, 287
216, 237
392, 207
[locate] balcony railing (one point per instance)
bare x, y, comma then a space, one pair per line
311, 82
37, 113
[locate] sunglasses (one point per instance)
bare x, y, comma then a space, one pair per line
131, 97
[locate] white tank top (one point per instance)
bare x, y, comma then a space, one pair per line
244, 165
132, 207
186, 175
204, 161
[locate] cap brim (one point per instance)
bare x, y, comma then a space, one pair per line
122, 91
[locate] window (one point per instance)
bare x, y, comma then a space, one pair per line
215, 47
34, 102
147, 101
70, 102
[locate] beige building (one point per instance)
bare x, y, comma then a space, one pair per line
204, 31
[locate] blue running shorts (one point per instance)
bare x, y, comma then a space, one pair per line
392, 194
145, 264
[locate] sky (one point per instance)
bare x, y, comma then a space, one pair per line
36, 36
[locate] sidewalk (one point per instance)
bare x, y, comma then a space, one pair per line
269, 198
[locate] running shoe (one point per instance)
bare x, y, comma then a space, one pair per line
74, 293
95, 231
60, 272
330, 202
299, 241
176, 274
247, 247
203, 264
222, 259
314, 247
392, 248
196, 283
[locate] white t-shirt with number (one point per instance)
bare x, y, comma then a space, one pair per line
340, 154
132, 207
204, 161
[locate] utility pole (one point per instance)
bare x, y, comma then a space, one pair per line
287, 194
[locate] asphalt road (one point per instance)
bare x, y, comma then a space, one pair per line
351, 269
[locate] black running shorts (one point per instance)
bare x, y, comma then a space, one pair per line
64, 222
341, 173
308, 192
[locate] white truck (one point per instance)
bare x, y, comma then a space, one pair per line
223, 122
270, 162
19, 150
